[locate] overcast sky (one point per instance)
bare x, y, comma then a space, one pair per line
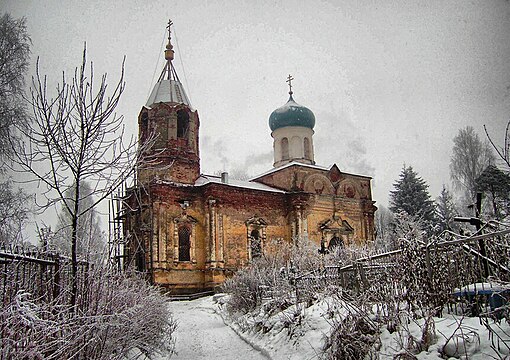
390, 82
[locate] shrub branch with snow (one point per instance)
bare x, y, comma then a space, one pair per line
116, 314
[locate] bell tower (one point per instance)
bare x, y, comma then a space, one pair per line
168, 129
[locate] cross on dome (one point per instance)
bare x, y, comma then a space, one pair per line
289, 81
170, 23
169, 52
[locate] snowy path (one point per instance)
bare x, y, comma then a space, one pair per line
201, 334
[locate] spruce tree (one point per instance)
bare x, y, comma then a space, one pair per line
411, 195
495, 184
446, 211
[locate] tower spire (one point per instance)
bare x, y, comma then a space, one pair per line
169, 87
168, 72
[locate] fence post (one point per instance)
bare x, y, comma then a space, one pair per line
56, 277
362, 275
429, 265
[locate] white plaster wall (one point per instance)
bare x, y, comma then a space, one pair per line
296, 136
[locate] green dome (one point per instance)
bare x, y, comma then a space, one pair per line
291, 114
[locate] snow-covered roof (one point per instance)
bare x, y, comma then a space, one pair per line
292, 163
168, 91
208, 179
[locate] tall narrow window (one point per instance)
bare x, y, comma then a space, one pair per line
182, 123
308, 153
184, 244
256, 246
285, 148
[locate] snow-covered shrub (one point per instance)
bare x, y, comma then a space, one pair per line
247, 287
353, 336
274, 277
425, 278
411, 343
116, 313
462, 343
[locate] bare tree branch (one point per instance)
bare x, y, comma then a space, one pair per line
76, 138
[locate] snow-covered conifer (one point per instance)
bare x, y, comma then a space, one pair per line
411, 195
446, 211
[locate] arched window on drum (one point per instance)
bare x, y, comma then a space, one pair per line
307, 149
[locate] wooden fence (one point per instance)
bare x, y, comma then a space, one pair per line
432, 272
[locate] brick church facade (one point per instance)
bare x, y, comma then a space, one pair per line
190, 231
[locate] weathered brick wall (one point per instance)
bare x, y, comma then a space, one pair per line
236, 206
172, 158
314, 180
336, 194
222, 217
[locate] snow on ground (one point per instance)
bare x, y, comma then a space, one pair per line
457, 337
201, 334
299, 333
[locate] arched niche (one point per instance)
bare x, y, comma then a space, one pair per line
255, 236
318, 184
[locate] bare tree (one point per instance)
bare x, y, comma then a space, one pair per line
383, 224
90, 237
76, 137
14, 210
14, 59
469, 159
502, 151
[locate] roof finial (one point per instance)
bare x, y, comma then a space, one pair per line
289, 81
169, 53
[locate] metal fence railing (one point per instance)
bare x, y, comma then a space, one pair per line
434, 274
45, 276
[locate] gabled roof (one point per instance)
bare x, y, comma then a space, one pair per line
295, 163
292, 163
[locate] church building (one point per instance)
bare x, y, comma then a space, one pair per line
189, 231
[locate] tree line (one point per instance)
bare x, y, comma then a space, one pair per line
473, 170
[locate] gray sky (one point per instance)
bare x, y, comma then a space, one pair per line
390, 82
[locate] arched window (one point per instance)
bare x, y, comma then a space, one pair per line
256, 246
184, 244
285, 148
308, 153
335, 242
182, 123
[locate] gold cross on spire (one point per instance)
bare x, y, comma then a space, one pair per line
169, 52
289, 81
170, 23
